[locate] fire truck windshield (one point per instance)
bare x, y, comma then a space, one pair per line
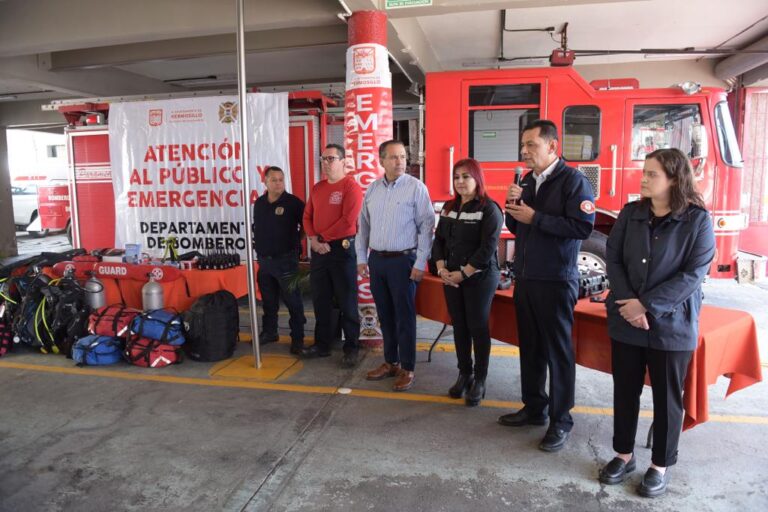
726, 135
664, 126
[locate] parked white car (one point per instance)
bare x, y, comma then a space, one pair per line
24, 204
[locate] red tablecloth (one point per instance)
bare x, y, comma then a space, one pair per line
181, 293
727, 343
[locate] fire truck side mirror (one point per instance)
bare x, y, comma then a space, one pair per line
699, 144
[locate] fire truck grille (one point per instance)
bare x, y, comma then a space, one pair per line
592, 172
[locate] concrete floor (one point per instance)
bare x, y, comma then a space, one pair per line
179, 438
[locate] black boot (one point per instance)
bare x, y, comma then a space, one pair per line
477, 393
462, 385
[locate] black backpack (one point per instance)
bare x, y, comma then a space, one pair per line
29, 326
68, 320
212, 325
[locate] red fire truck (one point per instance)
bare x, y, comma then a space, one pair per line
606, 129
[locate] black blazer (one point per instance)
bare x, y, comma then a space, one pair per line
469, 235
548, 248
664, 272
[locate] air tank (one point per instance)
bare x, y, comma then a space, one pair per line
152, 295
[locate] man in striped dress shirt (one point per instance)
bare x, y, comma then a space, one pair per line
396, 224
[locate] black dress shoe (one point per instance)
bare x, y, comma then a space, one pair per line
265, 338
314, 351
462, 385
476, 393
617, 471
349, 360
554, 440
523, 417
296, 346
654, 483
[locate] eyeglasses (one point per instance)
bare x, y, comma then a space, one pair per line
329, 159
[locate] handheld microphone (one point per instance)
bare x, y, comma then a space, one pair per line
518, 180
518, 175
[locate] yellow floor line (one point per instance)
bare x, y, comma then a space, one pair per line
117, 374
274, 367
329, 390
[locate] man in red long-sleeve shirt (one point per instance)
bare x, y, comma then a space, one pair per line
330, 221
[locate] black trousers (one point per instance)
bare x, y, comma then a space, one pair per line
395, 296
544, 324
470, 308
273, 278
667, 370
333, 278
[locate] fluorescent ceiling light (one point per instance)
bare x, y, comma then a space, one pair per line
202, 81
495, 63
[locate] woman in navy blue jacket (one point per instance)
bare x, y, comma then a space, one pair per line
658, 254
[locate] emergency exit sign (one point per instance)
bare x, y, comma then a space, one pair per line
397, 4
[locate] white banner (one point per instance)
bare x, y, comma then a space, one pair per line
176, 169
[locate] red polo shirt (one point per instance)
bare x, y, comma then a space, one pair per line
333, 208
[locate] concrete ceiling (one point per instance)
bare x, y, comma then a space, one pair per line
100, 48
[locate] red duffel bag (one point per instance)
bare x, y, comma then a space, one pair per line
151, 353
114, 320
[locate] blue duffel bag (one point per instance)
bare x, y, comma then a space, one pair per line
163, 325
96, 350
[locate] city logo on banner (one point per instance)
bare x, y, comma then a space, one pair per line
228, 112
364, 60
155, 117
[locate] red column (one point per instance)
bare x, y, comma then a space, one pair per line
367, 123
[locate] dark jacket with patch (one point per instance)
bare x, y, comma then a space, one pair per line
277, 226
664, 269
469, 235
547, 249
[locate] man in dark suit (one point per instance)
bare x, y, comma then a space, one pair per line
550, 212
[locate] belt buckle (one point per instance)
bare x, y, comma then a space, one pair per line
345, 243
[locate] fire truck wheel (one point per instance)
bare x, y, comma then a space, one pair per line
69, 232
592, 253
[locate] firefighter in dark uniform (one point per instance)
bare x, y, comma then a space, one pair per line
464, 252
550, 212
277, 234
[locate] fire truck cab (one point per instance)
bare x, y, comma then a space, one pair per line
606, 127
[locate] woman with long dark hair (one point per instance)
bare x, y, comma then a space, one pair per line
658, 254
464, 252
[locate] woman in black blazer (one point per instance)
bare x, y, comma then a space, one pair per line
464, 252
658, 254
